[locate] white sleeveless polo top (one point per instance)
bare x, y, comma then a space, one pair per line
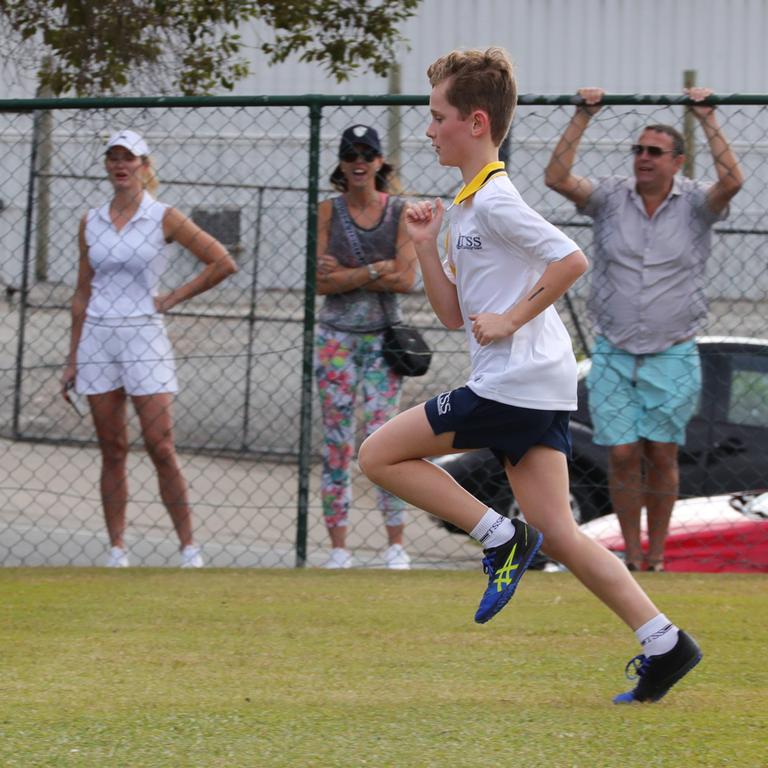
127, 265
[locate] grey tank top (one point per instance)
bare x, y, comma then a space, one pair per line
359, 310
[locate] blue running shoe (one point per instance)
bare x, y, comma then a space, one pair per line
657, 674
505, 566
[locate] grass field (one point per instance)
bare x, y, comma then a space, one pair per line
144, 668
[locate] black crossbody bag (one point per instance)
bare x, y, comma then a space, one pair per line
404, 348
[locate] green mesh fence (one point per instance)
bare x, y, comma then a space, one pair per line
250, 172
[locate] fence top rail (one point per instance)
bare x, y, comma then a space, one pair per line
328, 100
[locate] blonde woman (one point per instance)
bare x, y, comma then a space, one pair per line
119, 348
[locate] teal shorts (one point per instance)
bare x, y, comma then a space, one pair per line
651, 397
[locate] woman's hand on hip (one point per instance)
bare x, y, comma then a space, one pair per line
164, 302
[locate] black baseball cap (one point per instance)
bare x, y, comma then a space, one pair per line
359, 134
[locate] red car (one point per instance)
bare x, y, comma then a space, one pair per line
714, 534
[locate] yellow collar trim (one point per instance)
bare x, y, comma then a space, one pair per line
479, 181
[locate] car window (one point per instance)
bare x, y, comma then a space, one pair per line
748, 402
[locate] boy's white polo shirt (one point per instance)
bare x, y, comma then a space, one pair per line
498, 248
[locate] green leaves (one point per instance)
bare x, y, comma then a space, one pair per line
341, 35
189, 45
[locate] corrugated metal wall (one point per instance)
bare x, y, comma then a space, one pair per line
625, 46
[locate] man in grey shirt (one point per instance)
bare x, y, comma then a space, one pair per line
647, 300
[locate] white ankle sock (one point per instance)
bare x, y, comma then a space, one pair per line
493, 529
657, 636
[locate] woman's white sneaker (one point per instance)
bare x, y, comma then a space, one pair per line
191, 557
340, 558
397, 558
117, 557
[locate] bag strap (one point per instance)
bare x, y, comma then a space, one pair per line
354, 243
349, 229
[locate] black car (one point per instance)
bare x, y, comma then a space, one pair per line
726, 448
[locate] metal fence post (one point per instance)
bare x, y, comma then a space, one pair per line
24, 292
252, 320
305, 429
689, 128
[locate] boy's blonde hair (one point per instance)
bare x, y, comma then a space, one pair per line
481, 80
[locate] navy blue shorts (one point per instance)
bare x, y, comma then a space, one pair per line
509, 431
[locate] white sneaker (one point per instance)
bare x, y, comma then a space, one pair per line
397, 558
191, 557
117, 557
340, 558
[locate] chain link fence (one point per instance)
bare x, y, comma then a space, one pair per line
250, 171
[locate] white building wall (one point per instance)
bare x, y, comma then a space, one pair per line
625, 46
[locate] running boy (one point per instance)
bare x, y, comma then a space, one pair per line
505, 267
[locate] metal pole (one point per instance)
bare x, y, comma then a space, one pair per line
689, 128
252, 321
44, 154
25, 275
394, 139
42, 228
305, 437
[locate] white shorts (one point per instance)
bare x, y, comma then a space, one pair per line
132, 353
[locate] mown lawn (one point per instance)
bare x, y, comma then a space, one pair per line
144, 668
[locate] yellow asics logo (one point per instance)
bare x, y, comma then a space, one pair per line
504, 574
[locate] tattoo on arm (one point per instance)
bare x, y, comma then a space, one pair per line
535, 294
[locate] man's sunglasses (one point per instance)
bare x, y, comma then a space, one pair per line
369, 154
638, 149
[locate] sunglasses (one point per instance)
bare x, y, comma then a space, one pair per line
638, 149
369, 154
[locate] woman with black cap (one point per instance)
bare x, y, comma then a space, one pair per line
364, 260
119, 347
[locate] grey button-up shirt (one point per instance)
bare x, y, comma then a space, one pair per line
647, 287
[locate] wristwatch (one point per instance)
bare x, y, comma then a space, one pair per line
373, 273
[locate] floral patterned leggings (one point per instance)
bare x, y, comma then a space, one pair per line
344, 361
